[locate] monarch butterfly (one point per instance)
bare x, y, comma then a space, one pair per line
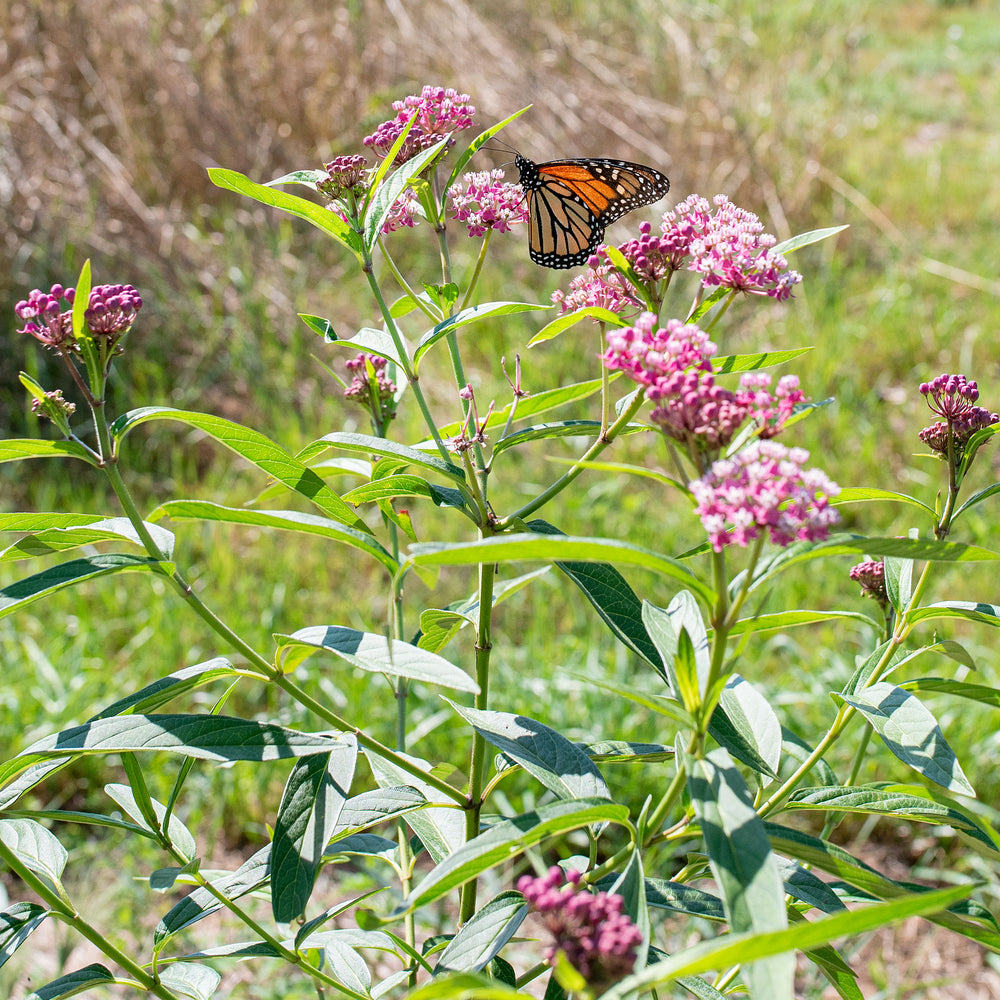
570, 202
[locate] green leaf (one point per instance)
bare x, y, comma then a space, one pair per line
207, 737
862, 494
393, 487
381, 805
898, 582
374, 653
287, 520
611, 596
735, 363
481, 938
886, 799
682, 898
386, 193
781, 621
504, 548
803, 885
74, 982
973, 611
117, 529
253, 874
16, 925
441, 828
939, 685
561, 323
737, 949
561, 766
367, 445
466, 316
42, 520
681, 638
36, 848
256, 448
177, 833
507, 839
742, 863
317, 215
625, 751
313, 798
370, 341
543, 432
464, 986
198, 982
805, 239
976, 498
33, 588
751, 715
15, 449
910, 731
166, 689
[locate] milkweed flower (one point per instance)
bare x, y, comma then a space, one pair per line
650, 355
343, 174
405, 212
371, 386
727, 247
45, 319
598, 940
871, 575
601, 285
489, 202
954, 398
439, 110
764, 488
654, 257
111, 311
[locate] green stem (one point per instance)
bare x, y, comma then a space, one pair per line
477, 769
63, 910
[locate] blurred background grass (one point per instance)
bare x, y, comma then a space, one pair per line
878, 115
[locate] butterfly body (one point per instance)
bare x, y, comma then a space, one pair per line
570, 202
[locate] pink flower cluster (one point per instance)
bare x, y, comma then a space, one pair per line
771, 412
954, 398
111, 311
764, 487
601, 285
343, 173
652, 356
599, 941
439, 110
362, 390
488, 202
871, 575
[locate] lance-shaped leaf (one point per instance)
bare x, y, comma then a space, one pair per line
465, 986
910, 731
60, 539
899, 802
14, 449
368, 651
509, 838
734, 949
361, 812
310, 806
287, 520
393, 487
742, 863
36, 848
805, 239
973, 611
179, 835
543, 432
441, 828
481, 938
367, 445
253, 874
33, 588
562, 766
750, 713
186, 979
528, 545
257, 449
207, 737
466, 316
73, 983
561, 323
941, 685
733, 363
317, 215
16, 924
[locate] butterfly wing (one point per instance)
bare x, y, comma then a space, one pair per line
570, 202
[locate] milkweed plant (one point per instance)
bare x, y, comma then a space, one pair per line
476, 886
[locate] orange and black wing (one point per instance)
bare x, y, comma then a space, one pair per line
571, 201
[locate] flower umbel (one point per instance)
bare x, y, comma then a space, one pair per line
372, 387
954, 398
438, 110
765, 488
598, 940
44, 319
489, 202
600, 285
344, 173
871, 575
